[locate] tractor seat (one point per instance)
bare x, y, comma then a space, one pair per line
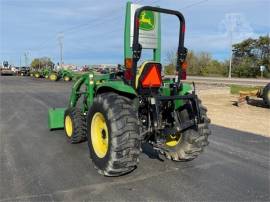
149, 76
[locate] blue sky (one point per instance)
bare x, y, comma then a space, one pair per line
93, 30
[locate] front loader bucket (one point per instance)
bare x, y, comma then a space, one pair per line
56, 118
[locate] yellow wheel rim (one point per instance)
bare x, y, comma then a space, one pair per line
68, 126
46, 76
173, 140
66, 78
268, 95
53, 77
37, 75
99, 135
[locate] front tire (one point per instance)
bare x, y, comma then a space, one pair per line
191, 142
67, 78
74, 124
37, 75
113, 135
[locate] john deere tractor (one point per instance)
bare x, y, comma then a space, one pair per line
122, 111
43, 72
65, 74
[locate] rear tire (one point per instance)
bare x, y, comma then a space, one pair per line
192, 141
75, 125
37, 75
266, 94
53, 77
119, 129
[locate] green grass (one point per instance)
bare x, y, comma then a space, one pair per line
236, 88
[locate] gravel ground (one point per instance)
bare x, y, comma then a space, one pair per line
253, 117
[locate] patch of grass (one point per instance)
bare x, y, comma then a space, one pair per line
236, 88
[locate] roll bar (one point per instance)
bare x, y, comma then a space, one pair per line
136, 48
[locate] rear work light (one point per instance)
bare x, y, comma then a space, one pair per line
152, 78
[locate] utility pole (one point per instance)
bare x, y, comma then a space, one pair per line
232, 22
60, 40
26, 54
231, 54
25, 59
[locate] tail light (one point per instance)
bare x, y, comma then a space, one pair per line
152, 78
127, 74
184, 71
184, 75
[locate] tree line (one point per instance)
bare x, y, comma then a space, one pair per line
39, 63
247, 57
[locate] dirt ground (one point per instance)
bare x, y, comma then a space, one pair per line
253, 117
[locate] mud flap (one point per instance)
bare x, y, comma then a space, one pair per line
56, 118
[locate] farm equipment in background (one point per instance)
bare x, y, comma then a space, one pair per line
65, 74
31, 73
264, 93
6, 69
121, 111
37, 73
24, 71
42, 72
45, 72
53, 75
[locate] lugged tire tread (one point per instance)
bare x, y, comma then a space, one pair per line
125, 144
79, 125
194, 141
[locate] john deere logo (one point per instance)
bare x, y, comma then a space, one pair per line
147, 20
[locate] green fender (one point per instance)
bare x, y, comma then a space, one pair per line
117, 86
185, 90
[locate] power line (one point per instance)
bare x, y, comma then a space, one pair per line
86, 25
95, 22
194, 4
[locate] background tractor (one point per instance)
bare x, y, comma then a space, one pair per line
24, 71
121, 111
43, 72
6, 69
65, 74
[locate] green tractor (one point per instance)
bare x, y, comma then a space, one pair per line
37, 74
122, 111
44, 72
53, 76
66, 75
